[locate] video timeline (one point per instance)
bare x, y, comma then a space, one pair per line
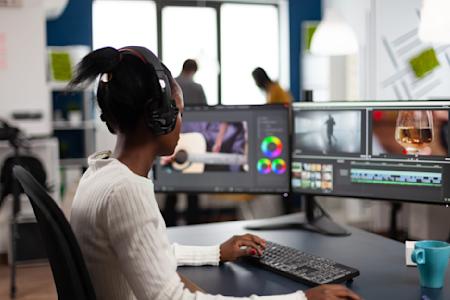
396, 177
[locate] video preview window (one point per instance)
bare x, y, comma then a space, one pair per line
410, 133
209, 147
328, 132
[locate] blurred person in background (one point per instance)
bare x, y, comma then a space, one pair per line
275, 94
193, 92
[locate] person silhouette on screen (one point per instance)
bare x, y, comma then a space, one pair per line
330, 130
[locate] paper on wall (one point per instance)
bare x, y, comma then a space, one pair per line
3, 64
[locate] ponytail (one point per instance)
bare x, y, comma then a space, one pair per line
127, 85
100, 61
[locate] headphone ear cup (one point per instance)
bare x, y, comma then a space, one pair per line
160, 115
160, 123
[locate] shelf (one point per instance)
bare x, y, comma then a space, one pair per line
67, 125
77, 133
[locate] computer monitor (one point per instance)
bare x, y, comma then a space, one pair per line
229, 149
381, 150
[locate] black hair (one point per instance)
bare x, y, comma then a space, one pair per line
126, 85
261, 78
190, 65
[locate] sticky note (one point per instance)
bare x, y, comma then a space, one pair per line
61, 67
425, 62
309, 30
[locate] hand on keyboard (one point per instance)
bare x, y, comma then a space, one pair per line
241, 245
302, 266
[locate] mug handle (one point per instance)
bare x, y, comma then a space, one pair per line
418, 256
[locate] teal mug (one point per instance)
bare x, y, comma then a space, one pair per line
431, 258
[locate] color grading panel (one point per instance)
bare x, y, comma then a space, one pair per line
229, 149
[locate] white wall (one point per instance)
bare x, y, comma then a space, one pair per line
358, 14
23, 65
341, 77
397, 42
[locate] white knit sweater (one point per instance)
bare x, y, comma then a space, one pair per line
123, 238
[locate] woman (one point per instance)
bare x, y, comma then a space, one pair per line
115, 216
274, 92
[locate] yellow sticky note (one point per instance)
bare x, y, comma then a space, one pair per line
61, 66
424, 63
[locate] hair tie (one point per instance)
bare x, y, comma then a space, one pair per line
106, 77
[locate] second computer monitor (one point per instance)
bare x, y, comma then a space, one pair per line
238, 149
383, 150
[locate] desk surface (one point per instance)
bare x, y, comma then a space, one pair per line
381, 262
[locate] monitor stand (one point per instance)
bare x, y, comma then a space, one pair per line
315, 219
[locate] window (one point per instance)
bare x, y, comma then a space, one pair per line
119, 23
228, 40
190, 32
249, 39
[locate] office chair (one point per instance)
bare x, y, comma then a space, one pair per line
69, 270
10, 186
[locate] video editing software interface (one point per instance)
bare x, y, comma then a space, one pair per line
229, 149
385, 150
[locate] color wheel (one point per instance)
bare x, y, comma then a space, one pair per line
271, 146
279, 166
264, 166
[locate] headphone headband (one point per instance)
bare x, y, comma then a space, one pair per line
134, 52
145, 55
160, 117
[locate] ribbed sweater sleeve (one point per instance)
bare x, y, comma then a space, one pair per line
196, 255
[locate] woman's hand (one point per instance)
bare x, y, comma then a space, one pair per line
241, 245
330, 292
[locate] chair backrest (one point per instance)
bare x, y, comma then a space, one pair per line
69, 270
30, 163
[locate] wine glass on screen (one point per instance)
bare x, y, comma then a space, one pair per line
414, 130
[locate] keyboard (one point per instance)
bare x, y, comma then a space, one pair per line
300, 266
